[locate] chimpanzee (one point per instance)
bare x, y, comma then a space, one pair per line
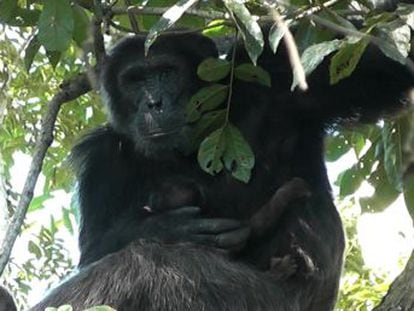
179, 191
178, 259
6, 300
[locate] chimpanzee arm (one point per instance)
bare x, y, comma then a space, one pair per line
378, 86
155, 276
112, 215
268, 216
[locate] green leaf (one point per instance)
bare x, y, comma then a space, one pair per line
217, 28
210, 152
381, 199
25, 18
336, 146
384, 193
54, 57
66, 220
37, 202
275, 35
338, 19
65, 308
34, 249
251, 73
238, 156
350, 180
167, 20
249, 28
30, 52
358, 142
391, 142
81, 25
406, 12
208, 123
7, 10
213, 69
227, 145
56, 25
307, 34
13, 15
314, 55
396, 40
206, 99
346, 59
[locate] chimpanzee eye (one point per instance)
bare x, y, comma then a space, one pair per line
133, 77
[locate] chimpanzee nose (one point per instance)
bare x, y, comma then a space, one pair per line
155, 105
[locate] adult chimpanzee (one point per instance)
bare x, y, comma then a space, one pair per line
174, 261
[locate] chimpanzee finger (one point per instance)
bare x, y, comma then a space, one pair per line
213, 225
234, 238
184, 211
229, 240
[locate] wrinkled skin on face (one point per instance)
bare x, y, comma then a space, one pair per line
154, 91
151, 93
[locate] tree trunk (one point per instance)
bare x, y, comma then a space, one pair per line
400, 296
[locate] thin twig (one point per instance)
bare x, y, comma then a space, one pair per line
98, 40
131, 16
95, 44
315, 9
292, 50
71, 90
231, 82
175, 31
120, 27
161, 10
298, 14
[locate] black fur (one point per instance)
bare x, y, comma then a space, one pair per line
117, 172
6, 301
169, 278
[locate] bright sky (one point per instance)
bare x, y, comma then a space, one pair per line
386, 238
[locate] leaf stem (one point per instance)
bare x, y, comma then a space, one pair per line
233, 60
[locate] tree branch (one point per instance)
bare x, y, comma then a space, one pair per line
70, 90
400, 295
161, 10
131, 16
98, 40
292, 50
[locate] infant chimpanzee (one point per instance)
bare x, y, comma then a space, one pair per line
182, 191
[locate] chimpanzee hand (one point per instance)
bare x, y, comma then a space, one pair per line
186, 225
183, 224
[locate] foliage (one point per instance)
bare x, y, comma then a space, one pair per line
361, 287
45, 42
225, 145
48, 262
380, 161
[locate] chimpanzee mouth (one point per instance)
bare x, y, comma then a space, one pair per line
159, 133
